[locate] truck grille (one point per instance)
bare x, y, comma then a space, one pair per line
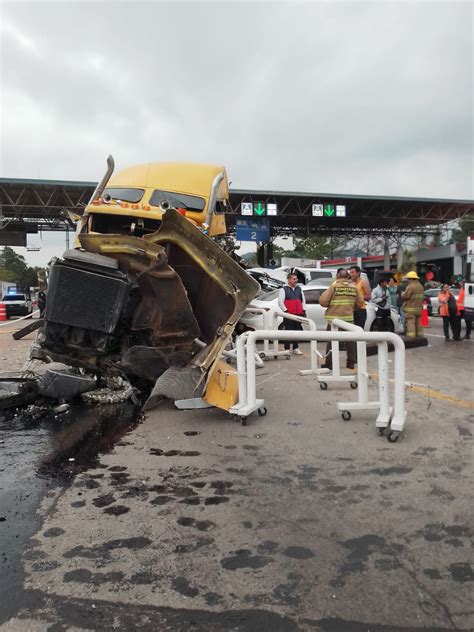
81, 298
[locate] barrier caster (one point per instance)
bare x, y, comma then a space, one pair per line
262, 411
380, 431
262, 355
323, 386
228, 360
346, 415
243, 421
287, 356
393, 436
354, 385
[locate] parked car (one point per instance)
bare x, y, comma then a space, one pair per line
427, 302
308, 275
17, 304
314, 311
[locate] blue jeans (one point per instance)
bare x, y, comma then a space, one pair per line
402, 317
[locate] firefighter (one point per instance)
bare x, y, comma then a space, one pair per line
412, 299
341, 300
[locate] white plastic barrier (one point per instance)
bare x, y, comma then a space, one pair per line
363, 403
313, 354
248, 402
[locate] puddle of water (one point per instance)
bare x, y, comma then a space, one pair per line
35, 456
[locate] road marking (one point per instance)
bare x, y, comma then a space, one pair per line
426, 390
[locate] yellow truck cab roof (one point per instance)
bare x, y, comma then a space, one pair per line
179, 177
144, 188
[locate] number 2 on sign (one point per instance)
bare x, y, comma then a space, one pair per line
253, 235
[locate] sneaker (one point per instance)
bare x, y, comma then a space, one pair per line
297, 352
350, 365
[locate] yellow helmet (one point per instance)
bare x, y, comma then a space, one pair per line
412, 275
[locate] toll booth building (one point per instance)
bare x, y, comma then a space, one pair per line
444, 261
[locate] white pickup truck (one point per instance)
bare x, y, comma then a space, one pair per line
17, 304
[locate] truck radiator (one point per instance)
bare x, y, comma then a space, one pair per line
85, 298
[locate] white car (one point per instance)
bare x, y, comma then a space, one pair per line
17, 304
314, 311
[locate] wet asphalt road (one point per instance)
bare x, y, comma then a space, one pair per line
39, 453
296, 522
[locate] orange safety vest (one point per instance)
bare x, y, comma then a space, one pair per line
461, 300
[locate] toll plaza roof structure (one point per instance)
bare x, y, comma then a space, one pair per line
29, 205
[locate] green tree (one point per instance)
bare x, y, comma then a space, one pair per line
464, 230
14, 268
316, 247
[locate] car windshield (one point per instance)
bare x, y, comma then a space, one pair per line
326, 282
178, 200
124, 195
319, 274
268, 296
14, 297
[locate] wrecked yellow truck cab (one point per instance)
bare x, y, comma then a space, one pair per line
134, 200
152, 298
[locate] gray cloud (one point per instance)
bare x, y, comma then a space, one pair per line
372, 98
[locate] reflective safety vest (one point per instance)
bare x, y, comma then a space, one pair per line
294, 300
340, 299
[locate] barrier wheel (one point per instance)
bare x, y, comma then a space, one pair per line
228, 360
393, 436
287, 356
243, 421
380, 431
354, 385
262, 355
323, 386
262, 411
346, 415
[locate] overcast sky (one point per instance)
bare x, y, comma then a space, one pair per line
343, 97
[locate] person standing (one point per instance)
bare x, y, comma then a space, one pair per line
462, 315
400, 289
448, 310
392, 290
412, 306
381, 299
341, 299
360, 313
291, 299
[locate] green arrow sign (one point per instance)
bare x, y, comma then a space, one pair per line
329, 210
259, 208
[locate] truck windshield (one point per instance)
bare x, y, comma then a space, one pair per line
178, 200
124, 195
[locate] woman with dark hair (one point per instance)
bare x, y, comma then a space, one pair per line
448, 310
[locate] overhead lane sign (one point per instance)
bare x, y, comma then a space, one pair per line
329, 210
259, 209
253, 230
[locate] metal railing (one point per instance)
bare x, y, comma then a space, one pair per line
248, 402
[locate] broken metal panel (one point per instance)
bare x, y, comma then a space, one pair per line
218, 288
64, 384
